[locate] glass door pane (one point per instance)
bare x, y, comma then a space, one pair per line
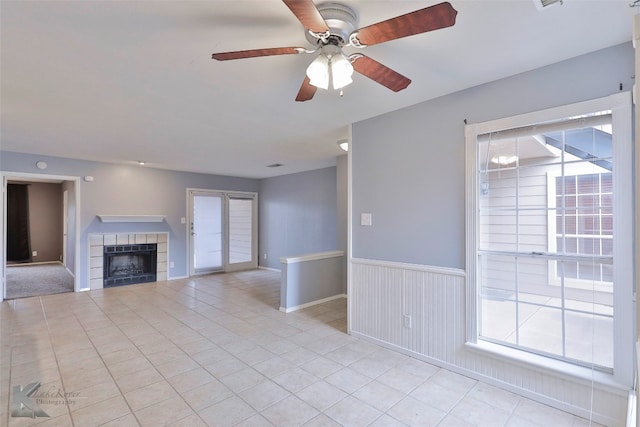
206, 233
242, 237
240, 230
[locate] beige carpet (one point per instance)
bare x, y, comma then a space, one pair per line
35, 280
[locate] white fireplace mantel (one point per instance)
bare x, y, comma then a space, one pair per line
131, 218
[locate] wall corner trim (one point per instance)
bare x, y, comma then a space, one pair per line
311, 257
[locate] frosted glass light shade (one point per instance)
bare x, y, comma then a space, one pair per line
318, 72
331, 65
341, 70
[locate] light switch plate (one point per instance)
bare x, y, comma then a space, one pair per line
365, 219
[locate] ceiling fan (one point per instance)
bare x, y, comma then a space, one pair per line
331, 26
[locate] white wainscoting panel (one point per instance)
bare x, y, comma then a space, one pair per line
382, 293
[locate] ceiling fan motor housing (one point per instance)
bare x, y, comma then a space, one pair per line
341, 20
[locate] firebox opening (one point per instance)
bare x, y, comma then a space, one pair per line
129, 264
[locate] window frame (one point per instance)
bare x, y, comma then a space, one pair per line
624, 296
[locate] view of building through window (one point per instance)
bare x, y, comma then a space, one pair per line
585, 224
545, 220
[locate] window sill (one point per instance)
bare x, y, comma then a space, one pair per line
547, 365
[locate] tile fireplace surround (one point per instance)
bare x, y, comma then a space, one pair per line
97, 243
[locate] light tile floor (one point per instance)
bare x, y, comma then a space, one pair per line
215, 351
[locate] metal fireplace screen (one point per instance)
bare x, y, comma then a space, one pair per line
128, 264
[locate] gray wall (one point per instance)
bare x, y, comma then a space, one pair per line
298, 215
131, 190
408, 165
45, 221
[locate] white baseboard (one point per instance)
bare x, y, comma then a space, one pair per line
25, 264
276, 270
312, 303
177, 277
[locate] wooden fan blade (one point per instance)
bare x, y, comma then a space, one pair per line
254, 53
380, 73
307, 90
308, 14
431, 18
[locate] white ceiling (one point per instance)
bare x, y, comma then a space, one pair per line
121, 81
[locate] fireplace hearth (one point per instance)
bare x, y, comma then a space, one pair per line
129, 264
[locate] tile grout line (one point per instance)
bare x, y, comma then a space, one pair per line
115, 382
55, 355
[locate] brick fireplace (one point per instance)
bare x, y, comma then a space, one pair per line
98, 242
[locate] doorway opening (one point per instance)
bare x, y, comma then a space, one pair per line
39, 253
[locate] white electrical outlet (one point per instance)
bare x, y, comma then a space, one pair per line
171, 264
265, 256
34, 253
406, 321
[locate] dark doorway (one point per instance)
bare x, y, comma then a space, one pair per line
18, 246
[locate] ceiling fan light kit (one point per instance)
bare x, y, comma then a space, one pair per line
318, 72
341, 71
332, 64
331, 26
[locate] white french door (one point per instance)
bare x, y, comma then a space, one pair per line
205, 229
241, 231
222, 231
